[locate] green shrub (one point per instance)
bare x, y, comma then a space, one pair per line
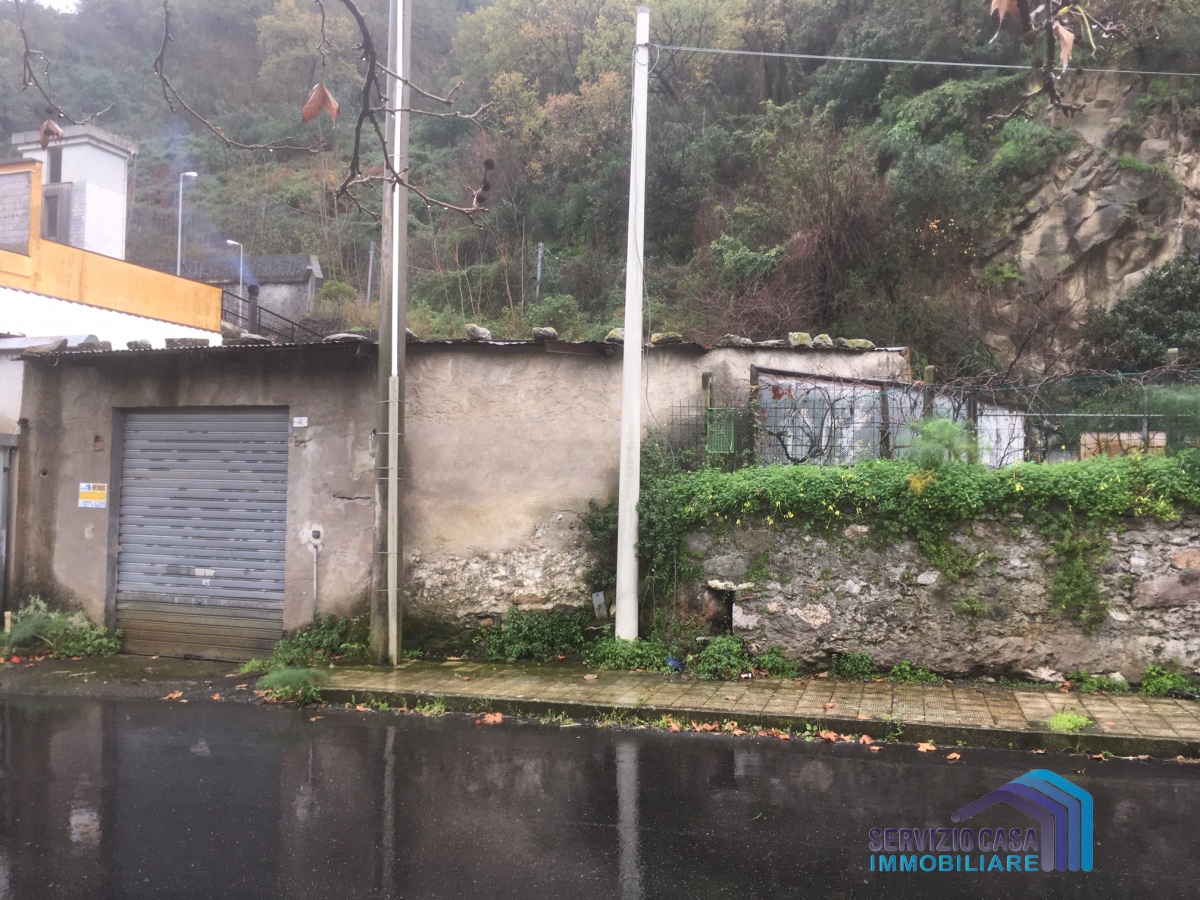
1097, 684
722, 657
540, 635
614, 653
1158, 681
37, 627
322, 640
774, 663
907, 673
852, 666
293, 685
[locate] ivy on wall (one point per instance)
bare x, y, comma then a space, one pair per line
920, 499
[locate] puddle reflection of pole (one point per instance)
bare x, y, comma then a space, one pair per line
389, 813
629, 868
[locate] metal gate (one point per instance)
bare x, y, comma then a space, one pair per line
202, 532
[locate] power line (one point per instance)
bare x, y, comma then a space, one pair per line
901, 62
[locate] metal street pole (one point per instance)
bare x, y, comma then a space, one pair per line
631, 366
387, 621
179, 228
241, 269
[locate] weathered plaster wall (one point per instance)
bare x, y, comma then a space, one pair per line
815, 595
506, 445
62, 551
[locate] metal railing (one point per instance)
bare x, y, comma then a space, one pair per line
253, 318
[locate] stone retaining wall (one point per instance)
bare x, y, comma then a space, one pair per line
814, 595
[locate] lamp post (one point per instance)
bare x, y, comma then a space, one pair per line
179, 230
241, 269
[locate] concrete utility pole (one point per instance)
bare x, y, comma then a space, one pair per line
631, 368
387, 611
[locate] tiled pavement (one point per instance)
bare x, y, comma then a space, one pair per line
977, 715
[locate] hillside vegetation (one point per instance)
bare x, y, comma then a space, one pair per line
859, 199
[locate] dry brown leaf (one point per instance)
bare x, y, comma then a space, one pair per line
737, 732
362, 708
1186, 759
216, 696
954, 757
493, 718
590, 677
711, 726
675, 726
863, 716
926, 748
875, 748
731, 698
828, 705
1142, 756
866, 739
830, 736
1066, 40
48, 131
314, 718
319, 101
784, 736
1039, 751
453, 658
1100, 757
183, 699
1005, 8
174, 695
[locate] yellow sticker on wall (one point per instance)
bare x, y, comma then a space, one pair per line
92, 495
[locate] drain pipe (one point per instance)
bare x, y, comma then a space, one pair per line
8, 446
315, 546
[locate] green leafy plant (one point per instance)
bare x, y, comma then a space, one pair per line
36, 627
293, 685
1000, 274
775, 664
649, 654
434, 708
723, 657
1097, 684
1068, 721
540, 635
906, 673
324, 639
970, 606
853, 667
1075, 586
1159, 681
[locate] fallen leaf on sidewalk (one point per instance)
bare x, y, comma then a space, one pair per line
866, 739
1186, 759
830, 736
875, 748
361, 708
954, 757
784, 736
731, 698
1100, 757
314, 718
828, 705
1039, 751
926, 748
863, 716
453, 658
174, 695
737, 732
241, 687
216, 696
590, 677
183, 700
674, 726
492, 718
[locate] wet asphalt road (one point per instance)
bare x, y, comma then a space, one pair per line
124, 799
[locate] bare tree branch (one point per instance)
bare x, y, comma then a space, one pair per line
33, 60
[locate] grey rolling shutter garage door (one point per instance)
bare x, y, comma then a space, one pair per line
202, 533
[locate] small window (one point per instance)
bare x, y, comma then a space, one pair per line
55, 165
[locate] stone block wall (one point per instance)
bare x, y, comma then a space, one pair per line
14, 212
815, 594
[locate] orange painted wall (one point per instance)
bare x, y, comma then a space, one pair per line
69, 273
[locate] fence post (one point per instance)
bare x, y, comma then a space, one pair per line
1172, 356
930, 378
885, 424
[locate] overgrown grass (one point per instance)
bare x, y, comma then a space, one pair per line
906, 673
323, 640
293, 685
1086, 683
38, 628
1068, 721
1159, 681
853, 666
539, 635
649, 654
723, 657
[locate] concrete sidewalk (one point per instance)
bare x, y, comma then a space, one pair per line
983, 715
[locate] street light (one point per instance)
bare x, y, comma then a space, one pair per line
179, 230
241, 263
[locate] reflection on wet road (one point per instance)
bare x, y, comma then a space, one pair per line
135, 799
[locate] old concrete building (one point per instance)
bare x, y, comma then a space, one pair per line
205, 500
287, 283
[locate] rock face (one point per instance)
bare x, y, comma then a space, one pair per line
799, 339
450, 593
545, 334
827, 594
1103, 219
478, 332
